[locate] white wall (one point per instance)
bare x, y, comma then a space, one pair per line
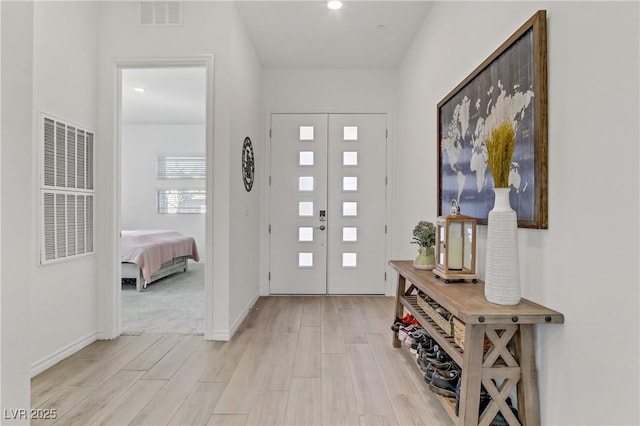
59, 58
16, 228
141, 146
208, 28
585, 265
63, 295
246, 121
48, 312
337, 90
1, 82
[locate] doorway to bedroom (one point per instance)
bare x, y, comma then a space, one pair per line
163, 199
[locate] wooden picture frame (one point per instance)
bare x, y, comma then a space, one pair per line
511, 84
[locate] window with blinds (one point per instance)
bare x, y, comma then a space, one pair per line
66, 191
181, 201
181, 167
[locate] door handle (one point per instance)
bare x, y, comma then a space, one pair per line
321, 227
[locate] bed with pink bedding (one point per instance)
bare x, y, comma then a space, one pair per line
148, 255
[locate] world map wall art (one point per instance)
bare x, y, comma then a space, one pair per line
510, 85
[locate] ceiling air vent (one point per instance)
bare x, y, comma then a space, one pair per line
160, 13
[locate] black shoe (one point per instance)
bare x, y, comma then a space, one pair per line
430, 347
425, 356
397, 324
429, 358
439, 357
435, 366
423, 364
426, 344
420, 338
431, 352
422, 343
444, 383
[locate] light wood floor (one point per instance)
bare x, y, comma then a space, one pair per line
295, 361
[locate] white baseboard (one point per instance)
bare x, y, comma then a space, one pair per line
73, 347
245, 312
219, 336
226, 335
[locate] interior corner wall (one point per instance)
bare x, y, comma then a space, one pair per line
63, 294
16, 227
585, 264
246, 121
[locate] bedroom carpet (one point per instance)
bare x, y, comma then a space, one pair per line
174, 304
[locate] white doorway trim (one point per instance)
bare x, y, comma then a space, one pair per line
112, 304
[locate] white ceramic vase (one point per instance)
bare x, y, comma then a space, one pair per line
502, 275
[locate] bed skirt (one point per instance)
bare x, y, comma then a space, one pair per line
133, 271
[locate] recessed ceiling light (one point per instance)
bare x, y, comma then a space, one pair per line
139, 89
334, 4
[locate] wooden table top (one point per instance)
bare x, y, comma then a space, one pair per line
467, 301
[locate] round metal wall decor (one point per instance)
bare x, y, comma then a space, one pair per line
248, 164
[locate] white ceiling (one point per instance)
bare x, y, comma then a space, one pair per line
306, 34
302, 34
171, 95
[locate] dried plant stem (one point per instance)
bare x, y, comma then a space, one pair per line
500, 145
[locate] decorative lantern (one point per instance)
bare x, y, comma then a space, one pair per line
456, 246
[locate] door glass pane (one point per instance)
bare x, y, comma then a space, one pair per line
306, 158
349, 260
305, 260
350, 158
305, 208
305, 233
350, 183
349, 234
306, 133
350, 133
349, 208
305, 183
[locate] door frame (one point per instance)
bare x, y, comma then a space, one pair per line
265, 246
112, 304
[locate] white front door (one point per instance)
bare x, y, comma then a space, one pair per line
328, 196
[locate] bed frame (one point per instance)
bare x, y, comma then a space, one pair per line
133, 271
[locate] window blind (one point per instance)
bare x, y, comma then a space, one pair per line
181, 201
182, 167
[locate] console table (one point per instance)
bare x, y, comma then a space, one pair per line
509, 362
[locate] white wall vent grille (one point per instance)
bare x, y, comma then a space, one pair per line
66, 188
161, 13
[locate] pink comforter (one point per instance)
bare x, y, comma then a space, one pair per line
150, 249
